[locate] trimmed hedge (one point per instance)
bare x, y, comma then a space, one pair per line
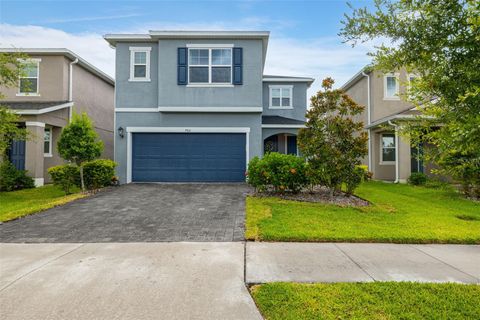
280, 172
97, 174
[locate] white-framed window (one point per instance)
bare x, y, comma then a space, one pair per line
411, 78
47, 142
391, 87
210, 66
28, 82
140, 63
387, 148
280, 97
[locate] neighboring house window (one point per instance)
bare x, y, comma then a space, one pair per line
391, 86
47, 142
29, 79
388, 148
140, 63
281, 97
210, 66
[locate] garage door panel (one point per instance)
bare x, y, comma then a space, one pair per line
188, 157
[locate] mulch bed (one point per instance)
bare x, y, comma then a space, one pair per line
318, 194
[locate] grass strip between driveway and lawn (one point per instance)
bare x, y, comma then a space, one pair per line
375, 300
20, 203
398, 213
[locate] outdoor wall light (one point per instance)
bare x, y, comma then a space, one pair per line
121, 132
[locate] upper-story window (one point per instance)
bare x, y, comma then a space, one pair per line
210, 65
140, 63
281, 97
391, 87
29, 78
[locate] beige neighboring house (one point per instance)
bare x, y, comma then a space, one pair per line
57, 83
391, 157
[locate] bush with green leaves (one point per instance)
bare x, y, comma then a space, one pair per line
417, 179
353, 178
99, 173
13, 179
280, 172
65, 176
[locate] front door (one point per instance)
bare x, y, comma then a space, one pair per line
292, 145
16, 154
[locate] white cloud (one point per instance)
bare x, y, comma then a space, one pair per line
316, 58
90, 46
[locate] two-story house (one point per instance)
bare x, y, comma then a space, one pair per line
390, 157
56, 83
196, 106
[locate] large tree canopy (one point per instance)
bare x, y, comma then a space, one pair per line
440, 42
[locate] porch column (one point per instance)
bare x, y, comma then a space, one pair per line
404, 159
34, 151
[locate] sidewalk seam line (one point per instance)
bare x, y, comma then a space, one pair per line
41, 266
351, 259
445, 263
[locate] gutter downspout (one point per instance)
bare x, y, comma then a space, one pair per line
369, 121
70, 87
397, 167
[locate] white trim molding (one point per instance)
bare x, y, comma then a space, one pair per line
209, 109
35, 124
147, 51
284, 126
44, 110
136, 110
210, 45
131, 130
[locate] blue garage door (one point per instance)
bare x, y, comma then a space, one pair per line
188, 157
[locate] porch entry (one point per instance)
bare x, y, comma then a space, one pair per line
282, 143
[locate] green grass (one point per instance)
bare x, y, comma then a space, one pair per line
24, 202
398, 213
372, 301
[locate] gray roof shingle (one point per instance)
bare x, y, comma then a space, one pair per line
30, 105
280, 120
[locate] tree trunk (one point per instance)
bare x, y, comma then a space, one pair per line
82, 183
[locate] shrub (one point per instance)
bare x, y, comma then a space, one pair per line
278, 171
354, 178
65, 176
417, 179
367, 175
13, 179
99, 173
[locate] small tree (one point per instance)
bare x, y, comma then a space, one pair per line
333, 142
79, 143
9, 130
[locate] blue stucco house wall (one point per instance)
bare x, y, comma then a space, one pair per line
196, 106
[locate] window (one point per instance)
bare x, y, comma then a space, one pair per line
140, 64
391, 87
47, 142
210, 66
388, 148
281, 97
29, 79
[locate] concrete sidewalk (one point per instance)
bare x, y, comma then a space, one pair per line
124, 281
353, 262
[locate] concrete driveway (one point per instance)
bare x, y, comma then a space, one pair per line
124, 281
140, 213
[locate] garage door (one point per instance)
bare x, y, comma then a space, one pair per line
188, 157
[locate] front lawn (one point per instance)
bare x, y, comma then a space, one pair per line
23, 202
398, 213
376, 300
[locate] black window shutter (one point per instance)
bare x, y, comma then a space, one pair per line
182, 66
237, 66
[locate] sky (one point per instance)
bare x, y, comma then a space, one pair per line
304, 37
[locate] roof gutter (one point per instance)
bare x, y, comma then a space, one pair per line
369, 121
397, 168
